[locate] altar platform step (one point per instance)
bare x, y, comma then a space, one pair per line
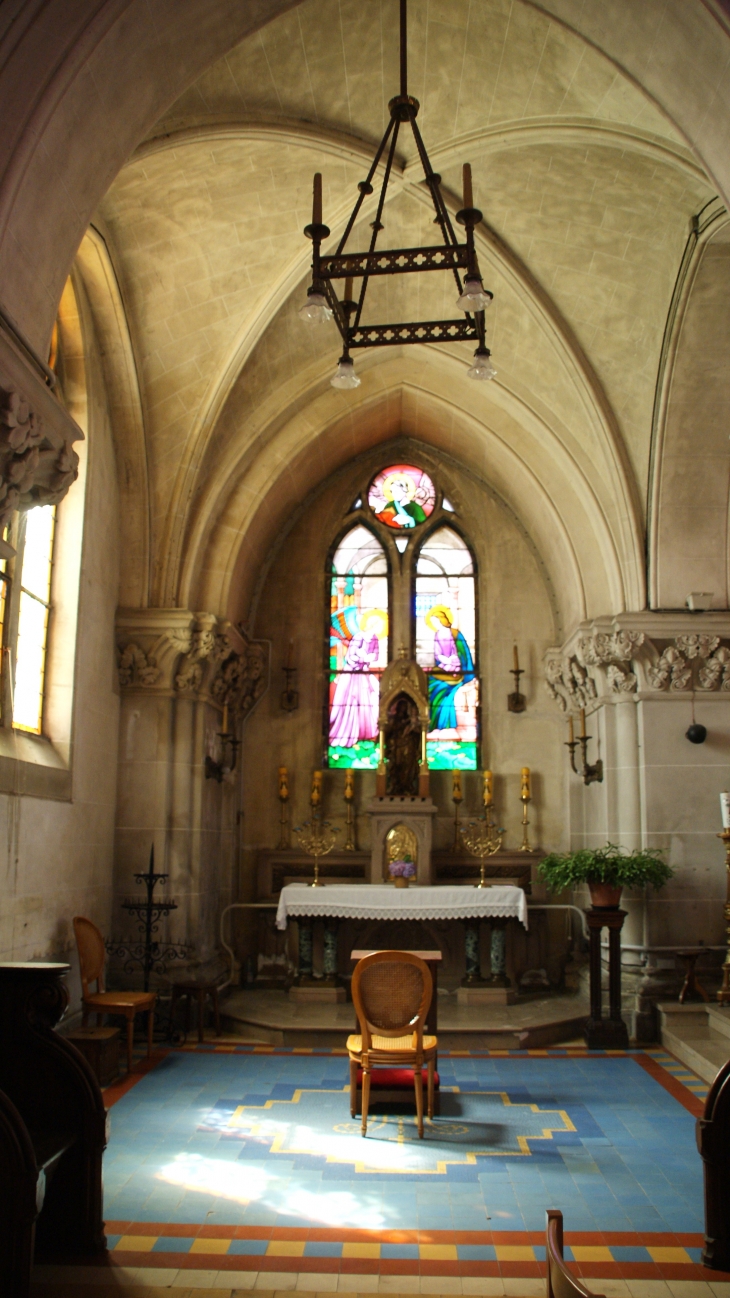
697, 1034
275, 1018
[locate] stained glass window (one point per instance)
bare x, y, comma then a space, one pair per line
33, 611
358, 648
445, 617
402, 496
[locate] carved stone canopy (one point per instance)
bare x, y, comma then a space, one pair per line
404, 676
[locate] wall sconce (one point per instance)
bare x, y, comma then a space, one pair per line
229, 744
589, 773
516, 702
289, 696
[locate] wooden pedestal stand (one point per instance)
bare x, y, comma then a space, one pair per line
610, 1033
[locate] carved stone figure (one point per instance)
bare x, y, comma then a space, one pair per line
402, 747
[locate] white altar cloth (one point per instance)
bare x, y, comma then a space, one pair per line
384, 901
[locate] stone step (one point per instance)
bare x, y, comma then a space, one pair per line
688, 1032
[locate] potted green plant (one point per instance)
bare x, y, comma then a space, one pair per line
607, 871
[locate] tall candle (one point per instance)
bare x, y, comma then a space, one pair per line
571, 738
525, 783
224, 726
456, 794
349, 785
317, 199
466, 183
725, 809
283, 784
316, 797
582, 723
515, 659
488, 781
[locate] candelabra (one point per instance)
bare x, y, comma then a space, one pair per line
316, 838
149, 953
481, 839
589, 772
284, 831
723, 995
516, 702
457, 798
350, 845
525, 799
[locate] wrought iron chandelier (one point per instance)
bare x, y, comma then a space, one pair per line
322, 302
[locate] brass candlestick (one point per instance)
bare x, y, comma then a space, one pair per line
479, 839
723, 995
284, 830
457, 798
350, 812
525, 799
316, 838
315, 797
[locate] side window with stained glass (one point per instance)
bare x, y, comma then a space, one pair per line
445, 624
358, 648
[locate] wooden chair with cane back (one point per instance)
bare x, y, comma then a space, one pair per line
391, 991
92, 955
561, 1283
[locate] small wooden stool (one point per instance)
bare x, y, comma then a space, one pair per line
100, 1048
190, 987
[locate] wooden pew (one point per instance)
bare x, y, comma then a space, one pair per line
713, 1143
52, 1130
561, 1283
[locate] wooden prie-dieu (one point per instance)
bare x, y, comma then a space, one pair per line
52, 1130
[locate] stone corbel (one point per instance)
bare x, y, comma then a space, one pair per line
37, 459
595, 665
150, 643
689, 662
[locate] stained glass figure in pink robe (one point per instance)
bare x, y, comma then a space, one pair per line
354, 710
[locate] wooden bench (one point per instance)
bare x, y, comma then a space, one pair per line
52, 1130
713, 1143
561, 1283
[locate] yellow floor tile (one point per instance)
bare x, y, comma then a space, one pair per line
361, 1250
135, 1244
514, 1252
210, 1246
438, 1252
664, 1254
591, 1253
285, 1248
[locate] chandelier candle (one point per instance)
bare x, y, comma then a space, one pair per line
488, 788
284, 830
525, 798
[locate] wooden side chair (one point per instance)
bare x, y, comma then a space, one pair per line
92, 955
561, 1283
391, 991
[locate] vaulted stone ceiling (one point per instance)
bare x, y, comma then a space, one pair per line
588, 194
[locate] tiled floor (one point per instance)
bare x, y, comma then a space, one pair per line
236, 1168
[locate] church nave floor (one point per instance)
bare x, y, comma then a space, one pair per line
236, 1166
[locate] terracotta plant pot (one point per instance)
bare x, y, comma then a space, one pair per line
604, 896
400, 881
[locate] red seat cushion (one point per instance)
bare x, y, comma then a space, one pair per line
394, 1078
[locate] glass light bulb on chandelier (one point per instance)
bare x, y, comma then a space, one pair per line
481, 367
345, 376
315, 309
474, 297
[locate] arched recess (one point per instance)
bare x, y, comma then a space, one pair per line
125, 410
559, 494
689, 529
94, 81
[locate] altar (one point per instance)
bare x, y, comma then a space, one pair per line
384, 902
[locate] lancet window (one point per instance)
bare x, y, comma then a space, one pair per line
25, 604
402, 576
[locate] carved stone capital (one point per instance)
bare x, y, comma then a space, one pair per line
669, 654
37, 459
191, 655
